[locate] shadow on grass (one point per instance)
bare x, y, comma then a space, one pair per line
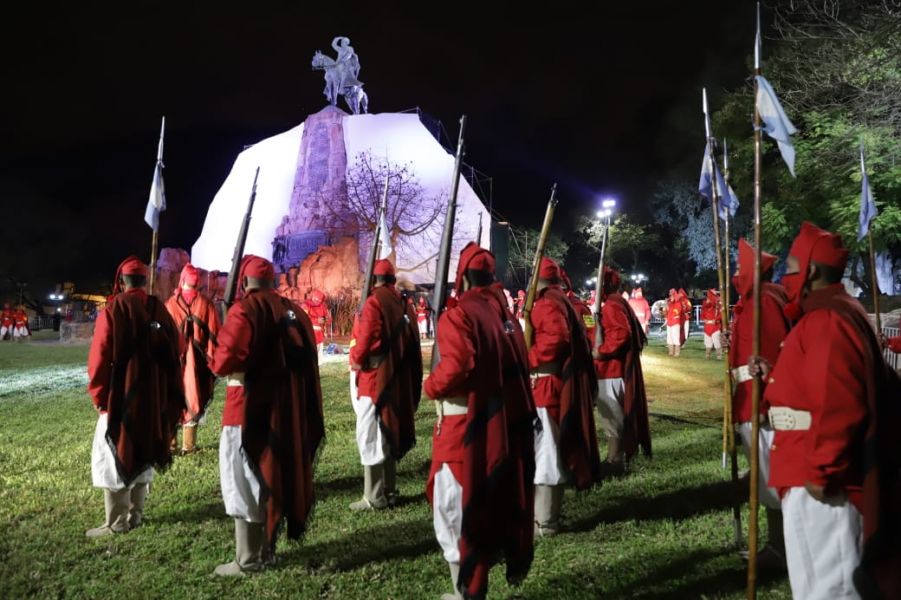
678, 505
195, 514
409, 539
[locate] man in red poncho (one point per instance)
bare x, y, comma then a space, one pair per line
134, 379
687, 313
272, 423
564, 388
422, 317
622, 403
198, 324
20, 325
774, 326
7, 320
317, 309
640, 307
675, 321
711, 313
483, 456
836, 457
582, 309
386, 384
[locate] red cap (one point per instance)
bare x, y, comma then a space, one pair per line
189, 275
611, 279
746, 266
548, 269
712, 296
383, 267
130, 266
256, 267
473, 257
818, 245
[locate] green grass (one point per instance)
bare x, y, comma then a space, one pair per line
664, 531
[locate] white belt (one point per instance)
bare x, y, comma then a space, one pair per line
234, 380
789, 419
449, 407
540, 375
741, 374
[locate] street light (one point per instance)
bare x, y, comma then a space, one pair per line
608, 203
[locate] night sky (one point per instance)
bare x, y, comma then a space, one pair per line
602, 103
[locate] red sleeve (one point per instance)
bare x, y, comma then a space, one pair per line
838, 397
368, 332
235, 338
615, 322
894, 344
457, 356
100, 361
551, 332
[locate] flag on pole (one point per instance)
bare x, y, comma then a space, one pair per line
775, 122
157, 202
868, 210
727, 198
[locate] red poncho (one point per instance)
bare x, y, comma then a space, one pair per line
198, 324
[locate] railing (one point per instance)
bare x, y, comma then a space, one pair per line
891, 358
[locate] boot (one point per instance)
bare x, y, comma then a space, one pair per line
547, 509
116, 504
136, 505
613, 465
719, 354
707, 353
455, 574
670, 349
173, 445
391, 481
677, 350
189, 439
249, 541
373, 489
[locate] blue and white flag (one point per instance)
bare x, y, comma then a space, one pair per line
775, 122
728, 201
868, 210
157, 202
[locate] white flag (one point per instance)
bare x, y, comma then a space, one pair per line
157, 202
776, 123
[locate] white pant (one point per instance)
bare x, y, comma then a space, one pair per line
423, 327
611, 395
548, 470
672, 335
712, 341
20, 332
822, 545
447, 516
103, 464
241, 492
5, 330
768, 496
370, 441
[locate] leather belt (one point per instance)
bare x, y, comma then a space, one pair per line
549, 368
783, 418
234, 380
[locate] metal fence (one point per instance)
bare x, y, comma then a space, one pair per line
41, 322
891, 357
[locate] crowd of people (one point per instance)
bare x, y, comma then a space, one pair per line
516, 418
14, 323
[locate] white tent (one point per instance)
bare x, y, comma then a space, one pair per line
399, 137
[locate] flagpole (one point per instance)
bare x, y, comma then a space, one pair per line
755, 338
723, 283
155, 242
875, 282
727, 303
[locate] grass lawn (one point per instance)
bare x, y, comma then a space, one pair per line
664, 531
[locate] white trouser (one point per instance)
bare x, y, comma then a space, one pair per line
103, 464
240, 487
768, 496
5, 330
712, 341
611, 394
447, 516
822, 545
370, 441
672, 335
423, 327
687, 326
548, 470
20, 332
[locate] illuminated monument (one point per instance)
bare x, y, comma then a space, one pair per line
321, 182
